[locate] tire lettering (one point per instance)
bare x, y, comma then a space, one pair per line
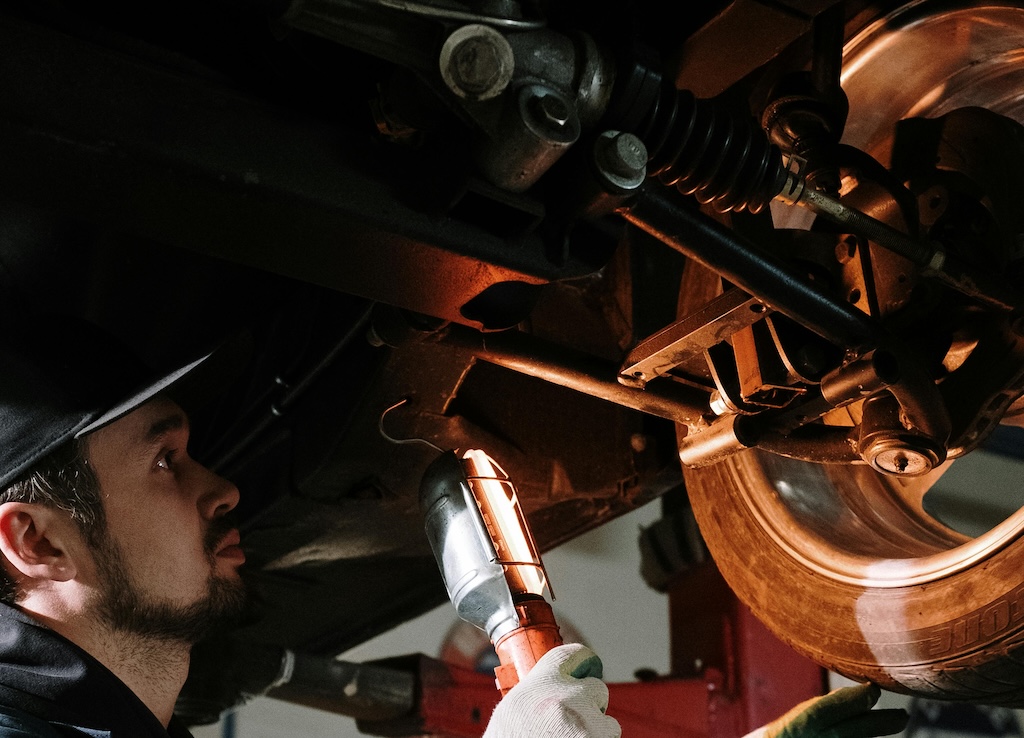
1016, 608
967, 631
995, 619
941, 644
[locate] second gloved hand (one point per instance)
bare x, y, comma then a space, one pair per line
843, 713
562, 697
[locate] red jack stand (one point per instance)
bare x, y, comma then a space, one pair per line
729, 674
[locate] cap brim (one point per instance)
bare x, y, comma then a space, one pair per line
140, 397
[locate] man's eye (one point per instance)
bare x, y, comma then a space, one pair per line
165, 461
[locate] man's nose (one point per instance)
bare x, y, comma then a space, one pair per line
220, 495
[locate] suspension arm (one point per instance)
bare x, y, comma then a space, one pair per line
576, 370
752, 269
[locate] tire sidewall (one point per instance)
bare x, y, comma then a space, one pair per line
952, 638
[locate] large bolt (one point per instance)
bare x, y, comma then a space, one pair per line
476, 62
626, 155
621, 159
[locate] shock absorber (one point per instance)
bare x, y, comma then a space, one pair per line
698, 146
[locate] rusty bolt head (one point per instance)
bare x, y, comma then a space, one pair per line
476, 62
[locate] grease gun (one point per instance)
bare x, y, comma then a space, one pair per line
488, 559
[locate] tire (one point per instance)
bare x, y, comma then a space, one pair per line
849, 572
841, 563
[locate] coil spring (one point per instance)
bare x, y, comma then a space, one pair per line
718, 157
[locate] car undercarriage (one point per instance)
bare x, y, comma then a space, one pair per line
768, 252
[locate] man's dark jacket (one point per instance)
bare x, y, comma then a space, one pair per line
50, 688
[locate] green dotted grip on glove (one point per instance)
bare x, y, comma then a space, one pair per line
591, 666
843, 713
562, 696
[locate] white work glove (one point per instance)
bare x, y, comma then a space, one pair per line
842, 713
562, 697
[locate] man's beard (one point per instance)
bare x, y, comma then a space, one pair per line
125, 607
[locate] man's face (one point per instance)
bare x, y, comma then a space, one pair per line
168, 561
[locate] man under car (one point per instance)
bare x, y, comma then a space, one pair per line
118, 555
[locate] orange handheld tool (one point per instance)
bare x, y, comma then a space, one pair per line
488, 559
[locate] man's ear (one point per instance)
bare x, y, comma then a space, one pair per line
34, 540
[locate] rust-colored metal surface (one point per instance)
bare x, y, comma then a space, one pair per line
936, 58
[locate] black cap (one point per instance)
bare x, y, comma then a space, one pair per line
61, 378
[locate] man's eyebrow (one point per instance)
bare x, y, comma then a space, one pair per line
166, 424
